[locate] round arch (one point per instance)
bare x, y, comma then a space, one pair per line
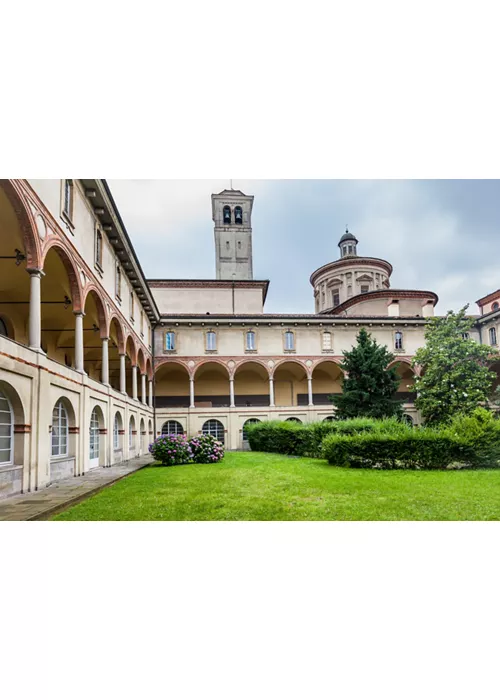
143, 437
172, 427
149, 369
215, 428
141, 362
251, 384
327, 377
290, 383
211, 384
12, 418
102, 318
31, 240
172, 386
97, 431
65, 256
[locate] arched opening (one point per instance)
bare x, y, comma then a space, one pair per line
60, 296
215, 428
97, 431
408, 419
290, 384
14, 441
94, 329
238, 215
406, 377
211, 386
172, 427
132, 434
326, 380
292, 419
130, 362
14, 279
63, 440
118, 433
141, 363
171, 386
251, 385
226, 214
143, 437
116, 347
244, 434
328, 419
150, 432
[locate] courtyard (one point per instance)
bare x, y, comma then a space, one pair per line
265, 487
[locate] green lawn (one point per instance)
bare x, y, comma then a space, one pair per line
258, 486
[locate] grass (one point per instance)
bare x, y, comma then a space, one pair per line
258, 486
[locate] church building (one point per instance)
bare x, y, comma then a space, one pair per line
96, 360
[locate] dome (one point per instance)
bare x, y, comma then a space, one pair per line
348, 237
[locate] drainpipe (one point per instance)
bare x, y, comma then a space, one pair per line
154, 378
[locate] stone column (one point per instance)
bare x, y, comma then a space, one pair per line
143, 388
310, 390
123, 374
231, 393
134, 382
150, 387
105, 361
271, 392
191, 393
79, 342
35, 322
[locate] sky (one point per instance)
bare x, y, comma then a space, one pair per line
439, 235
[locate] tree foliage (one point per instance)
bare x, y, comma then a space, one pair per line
369, 387
455, 375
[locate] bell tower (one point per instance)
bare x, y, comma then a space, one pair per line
232, 216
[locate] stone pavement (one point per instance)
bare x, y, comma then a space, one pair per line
40, 505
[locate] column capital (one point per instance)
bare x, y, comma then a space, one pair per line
79, 313
35, 272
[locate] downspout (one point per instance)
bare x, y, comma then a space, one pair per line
154, 380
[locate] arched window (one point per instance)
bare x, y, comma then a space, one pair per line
250, 340
238, 215
250, 421
398, 340
172, 427
289, 340
94, 438
117, 426
211, 340
227, 215
293, 420
328, 419
335, 297
493, 336
408, 419
6, 430
170, 340
3, 328
131, 431
327, 340
494, 306
60, 430
214, 428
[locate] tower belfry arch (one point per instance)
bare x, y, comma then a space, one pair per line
232, 217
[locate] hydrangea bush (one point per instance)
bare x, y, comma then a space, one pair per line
171, 449
206, 449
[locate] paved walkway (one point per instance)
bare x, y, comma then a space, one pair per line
40, 505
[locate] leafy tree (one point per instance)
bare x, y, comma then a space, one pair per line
369, 387
455, 377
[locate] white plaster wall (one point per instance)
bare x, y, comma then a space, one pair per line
182, 300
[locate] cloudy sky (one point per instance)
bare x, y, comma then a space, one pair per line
439, 235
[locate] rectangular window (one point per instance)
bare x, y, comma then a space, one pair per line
335, 297
131, 306
170, 340
289, 340
118, 282
68, 198
398, 340
211, 340
250, 337
465, 336
364, 288
327, 340
493, 336
142, 324
98, 248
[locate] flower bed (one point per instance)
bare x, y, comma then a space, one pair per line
177, 449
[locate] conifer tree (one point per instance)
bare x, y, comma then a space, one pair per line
369, 385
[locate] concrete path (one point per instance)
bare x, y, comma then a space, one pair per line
40, 505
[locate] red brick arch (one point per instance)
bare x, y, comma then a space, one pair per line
31, 239
121, 334
66, 257
101, 308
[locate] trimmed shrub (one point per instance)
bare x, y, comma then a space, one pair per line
305, 440
205, 449
171, 450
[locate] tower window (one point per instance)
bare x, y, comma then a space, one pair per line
227, 215
364, 288
238, 215
289, 340
335, 297
493, 336
350, 250
398, 340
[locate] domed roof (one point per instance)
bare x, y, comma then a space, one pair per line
348, 237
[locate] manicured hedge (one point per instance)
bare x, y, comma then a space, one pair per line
305, 440
472, 442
